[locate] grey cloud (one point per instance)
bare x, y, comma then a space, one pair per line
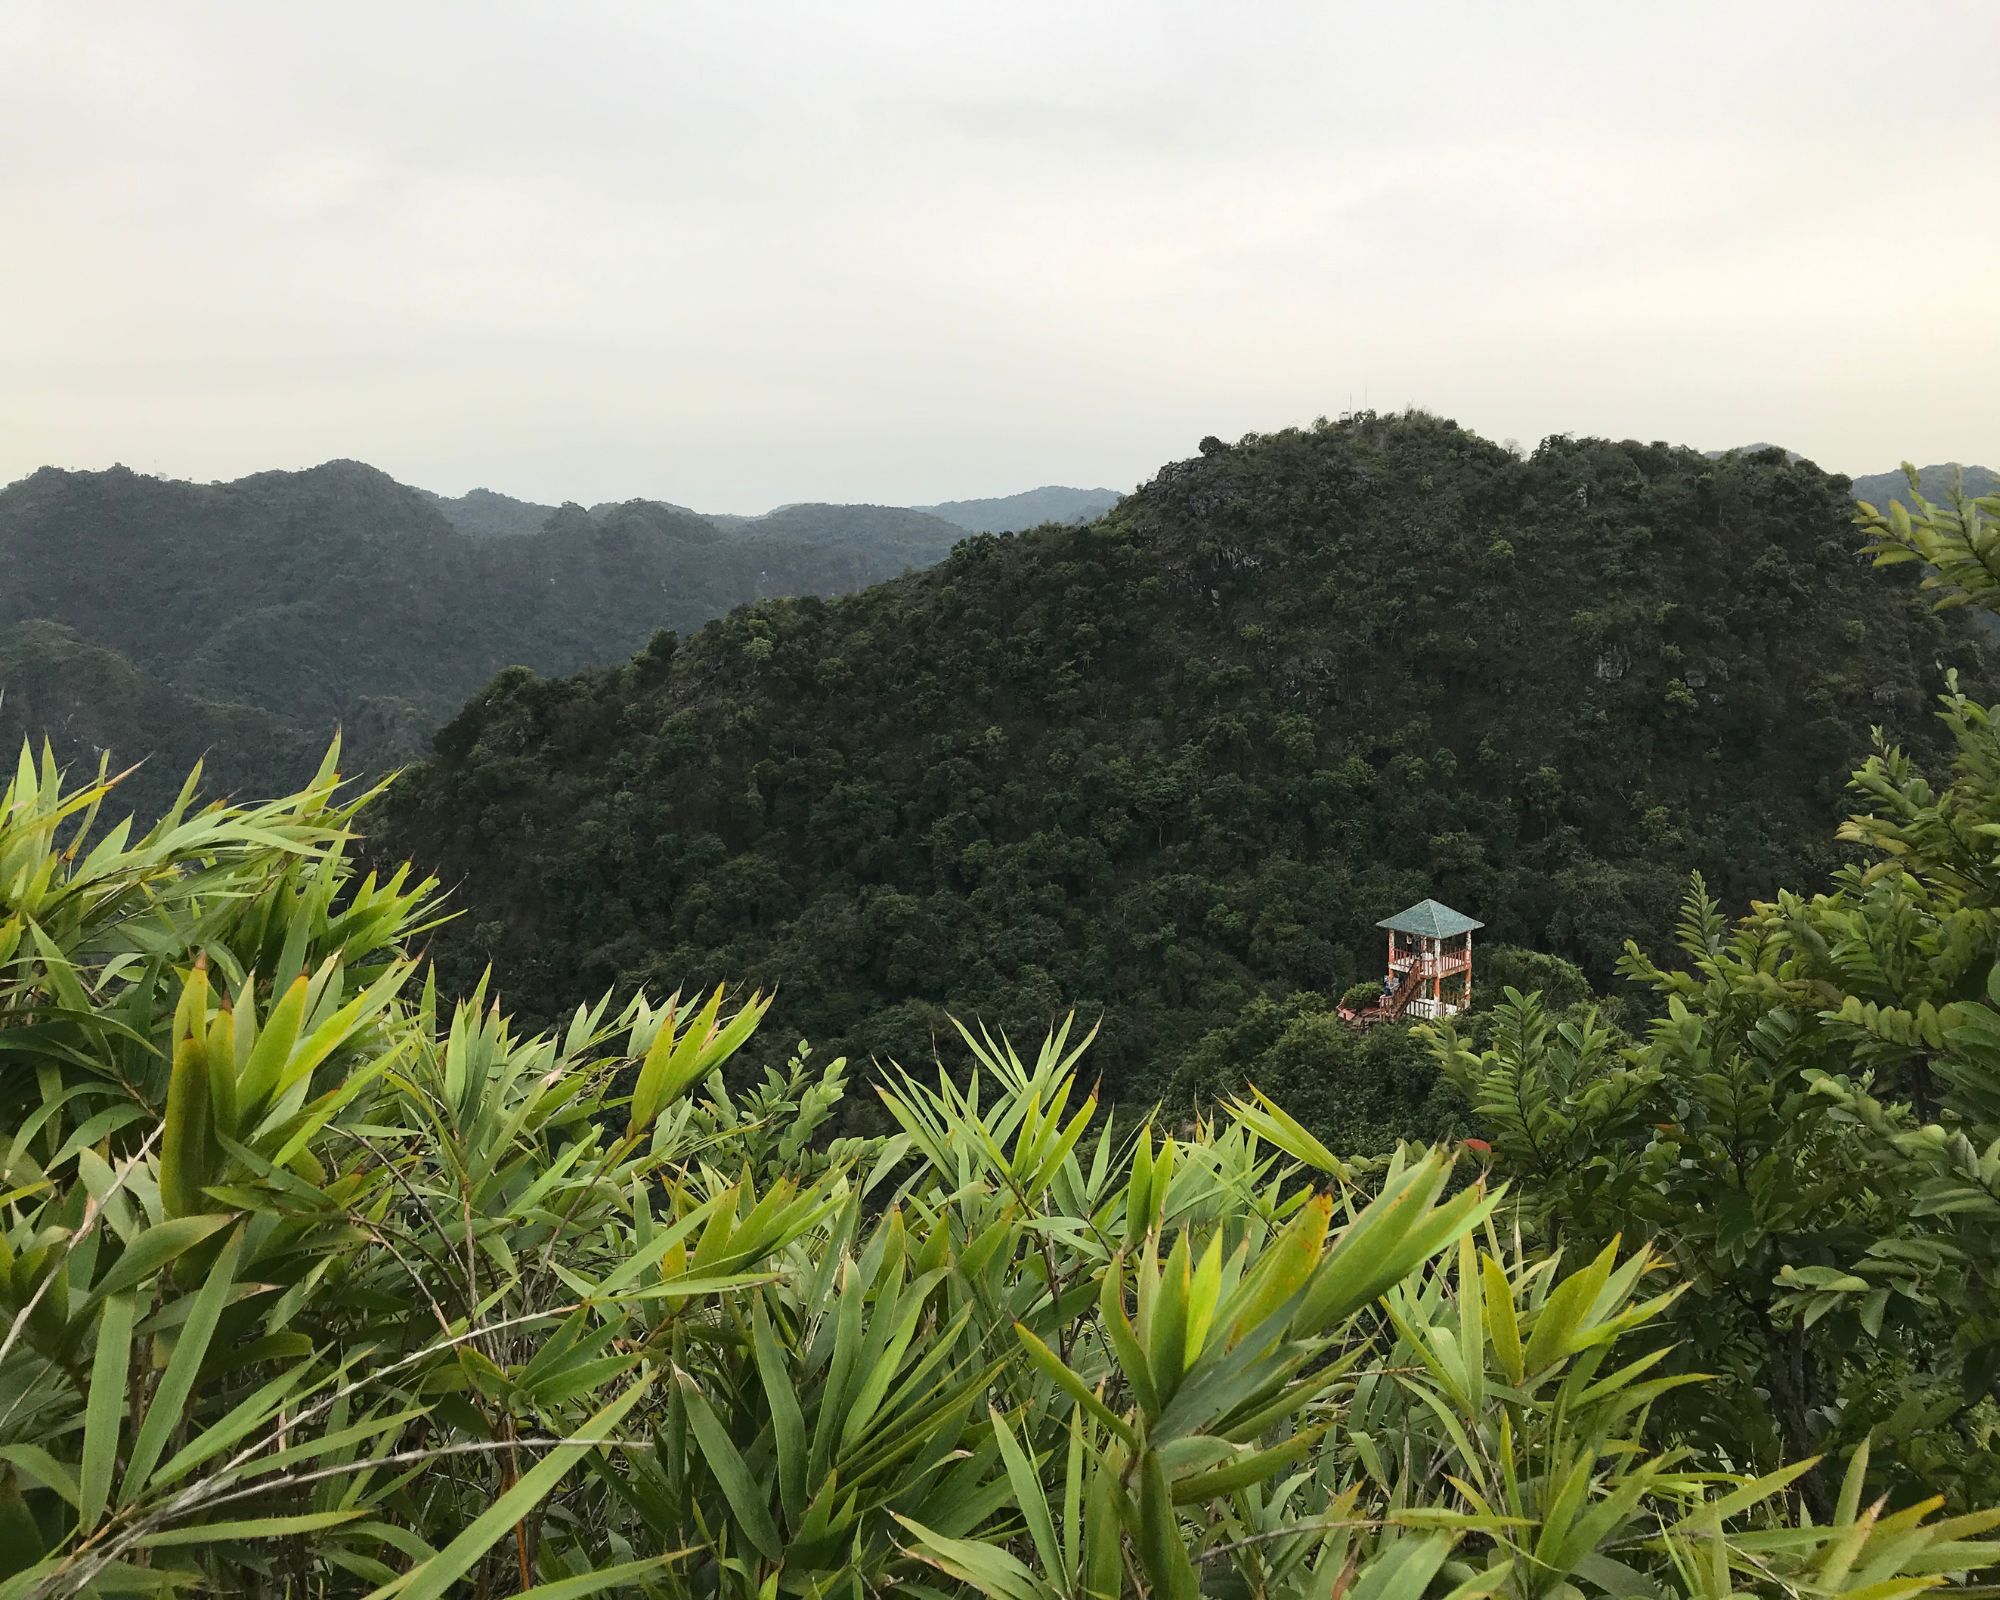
740, 254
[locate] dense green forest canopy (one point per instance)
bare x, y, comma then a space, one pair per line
149, 617
1186, 755
1935, 483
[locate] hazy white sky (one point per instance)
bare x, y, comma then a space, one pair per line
737, 253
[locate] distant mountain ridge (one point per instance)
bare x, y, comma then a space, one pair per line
488, 514
1934, 483
1012, 513
143, 615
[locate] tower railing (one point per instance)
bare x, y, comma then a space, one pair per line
1439, 965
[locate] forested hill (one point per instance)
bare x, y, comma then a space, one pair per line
84, 698
338, 596
915, 538
486, 514
1157, 764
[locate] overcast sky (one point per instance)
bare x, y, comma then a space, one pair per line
738, 253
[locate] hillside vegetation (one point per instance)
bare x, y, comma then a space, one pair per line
318, 1284
319, 1280
1187, 755
338, 596
91, 703
1810, 1126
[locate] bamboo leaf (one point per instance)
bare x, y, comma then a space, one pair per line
434, 1578
787, 1419
992, 1571
1051, 1365
249, 1528
746, 1497
190, 1349
615, 1577
152, 1251
104, 1408
1028, 1495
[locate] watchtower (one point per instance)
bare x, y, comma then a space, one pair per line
1430, 950
1430, 965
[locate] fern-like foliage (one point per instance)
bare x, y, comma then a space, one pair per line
1820, 1146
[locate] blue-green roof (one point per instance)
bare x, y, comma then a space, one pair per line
1429, 920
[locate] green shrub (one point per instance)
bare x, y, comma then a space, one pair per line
1354, 1090
1810, 1128
1501, 967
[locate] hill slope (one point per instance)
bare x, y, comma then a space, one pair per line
1191, 752
337, 595
88, 701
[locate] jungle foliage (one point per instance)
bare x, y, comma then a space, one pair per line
314, 1283
1183, 757
1353, 1090
1810, 1130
